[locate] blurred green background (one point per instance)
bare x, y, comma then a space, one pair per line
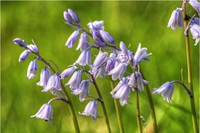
131, 22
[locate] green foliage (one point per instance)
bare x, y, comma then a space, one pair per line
131, 22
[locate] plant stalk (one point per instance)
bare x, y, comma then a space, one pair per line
138, 111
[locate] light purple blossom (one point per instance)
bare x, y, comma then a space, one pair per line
33, 48
195, 31
83, 42
19, 42
45, 113
99, 71
110, 64
75, 80
166, 91
100, 59
118, 71
74, 16
67, 17
44, 77
132, 81
53, 84
175, 19
98, 38
23, 56
196, 5
82, 91
72, 39
91, 110
107, 37
84, 58
141, 54
97, 25
67, 72
124, 56
32, 69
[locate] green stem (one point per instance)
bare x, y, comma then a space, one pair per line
138, 111
117, 108
150, 99
102, 103
189, 70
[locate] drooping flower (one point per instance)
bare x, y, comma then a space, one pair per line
118, 71
19, 42
196, 5
195, 31
100, 59
72, 39
45, 113
67, 72
33, 48
91, 110
83, 42
101, 71
110, 64
32, 69
74, 16
166, 90
107, 37
23, 56
98, 38
44, 77
75, 80
97, 25
84, 58
141, 54
82, 91
175, 19
53, 84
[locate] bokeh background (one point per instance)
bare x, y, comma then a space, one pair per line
131, 22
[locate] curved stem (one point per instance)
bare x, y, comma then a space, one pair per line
117, 108
138, 111
102, 103
189, 70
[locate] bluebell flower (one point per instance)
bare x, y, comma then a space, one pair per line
97, 25
53, 84
72, 39
118, 71
110, 64
19, 42
100, 59
125, 55
166, 90
33, 48
23, 56
141, 54
67, 17
84, 58
83, 42
133, 81
44, 77
82, 91
32, 69
195, 21
45, 113
122, 92
98, 38
75, 80
101, 71
91, 110
107, 37
195, 31
67, 72
196, 5
140, 81
175, 19
74, 16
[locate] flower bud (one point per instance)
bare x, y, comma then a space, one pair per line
67, 17
72, 39
19, 42
24, 55
74, 16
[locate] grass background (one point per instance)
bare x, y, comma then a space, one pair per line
128, 21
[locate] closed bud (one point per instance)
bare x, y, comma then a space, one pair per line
24, 55
67, 17
72, 39
19, 42
74, 16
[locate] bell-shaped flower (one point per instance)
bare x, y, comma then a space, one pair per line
118, 71
107, 37
75, 80
74, 16
33, 48
125, 55
100, 59
132, 81
84, 58
166, 90
32, 69
83, 42
110, 64
101, 71
53, 84
122, 92
141, 54
67, 72
175, 19
91, 110
140, 81
195, 31
98, 38
19, 42
72, 39
196, 5
23, 56
67, 17
82, 91
44, 77
97, 25
45, 113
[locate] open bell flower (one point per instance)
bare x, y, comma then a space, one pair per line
97, 25
83, 42
91, 110
100, 59
176, 19
45, 113
166, 90
195, 31
84, 58
44, 77
32, 69
75, 80
118, 71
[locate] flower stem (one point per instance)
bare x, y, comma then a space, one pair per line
102, 103
117, 108
138, 111
189, 70
153, 114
